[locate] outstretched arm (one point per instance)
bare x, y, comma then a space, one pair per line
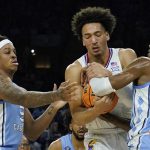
136, 70
34, 128
17, 95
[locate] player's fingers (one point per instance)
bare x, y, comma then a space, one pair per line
54, 87
104, 99
64, 83
71, 86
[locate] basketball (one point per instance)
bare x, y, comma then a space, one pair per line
88, 98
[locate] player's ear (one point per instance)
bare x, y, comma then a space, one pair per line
107, 36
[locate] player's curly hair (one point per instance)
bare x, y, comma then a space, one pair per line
92, 15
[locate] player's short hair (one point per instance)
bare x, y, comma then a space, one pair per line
93, 15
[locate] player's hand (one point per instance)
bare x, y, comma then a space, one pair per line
96, 70
103, 104
68, 91
60, 103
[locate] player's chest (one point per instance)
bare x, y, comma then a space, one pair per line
114, 67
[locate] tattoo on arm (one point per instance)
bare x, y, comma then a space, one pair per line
50, 111
17, 95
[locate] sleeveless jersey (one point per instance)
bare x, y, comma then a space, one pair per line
66, 142
11, 125
139, 134
123, 108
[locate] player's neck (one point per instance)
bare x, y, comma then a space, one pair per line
10, 74
101, 58
7, 74
78, 145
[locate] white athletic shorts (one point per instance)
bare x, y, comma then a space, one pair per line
106, 141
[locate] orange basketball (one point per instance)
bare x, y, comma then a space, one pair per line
88, 96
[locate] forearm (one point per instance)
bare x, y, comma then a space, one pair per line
36, 99
17, 95
84, 116
31, 99
118, 121
132, 72
40, 124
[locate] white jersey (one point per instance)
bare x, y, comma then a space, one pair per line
123, 108
139, 134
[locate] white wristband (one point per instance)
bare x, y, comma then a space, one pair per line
4, 42
101, 86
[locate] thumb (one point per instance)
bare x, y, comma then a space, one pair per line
55, 87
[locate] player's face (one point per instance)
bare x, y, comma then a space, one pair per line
94, 38
8, 58
24, 145
78, 131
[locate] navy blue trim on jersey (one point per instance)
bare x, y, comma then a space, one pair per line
3, 124
86, 58
141, 86
109, 58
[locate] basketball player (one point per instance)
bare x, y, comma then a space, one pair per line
24, 144
94, 25
13, 98
139, 72
71, 141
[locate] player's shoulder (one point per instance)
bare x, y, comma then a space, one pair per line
74, 66
55, 145
126, 56
127, 51
73, 72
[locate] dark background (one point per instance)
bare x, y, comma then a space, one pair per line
44, 25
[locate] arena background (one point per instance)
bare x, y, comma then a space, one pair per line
41, 32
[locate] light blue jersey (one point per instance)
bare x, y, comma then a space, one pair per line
11, 125
139, 135
66, 142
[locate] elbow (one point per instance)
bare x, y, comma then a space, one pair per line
32, 137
